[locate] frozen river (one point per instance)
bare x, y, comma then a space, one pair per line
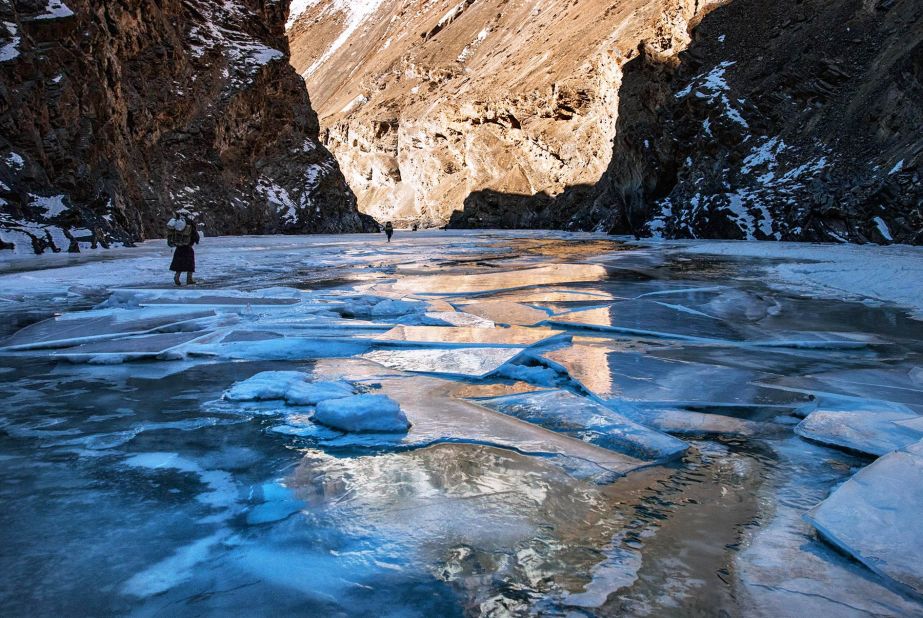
596, 427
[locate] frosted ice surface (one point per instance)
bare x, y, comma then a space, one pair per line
472, 362
870, 430
441, 336
506, 312
589, 421
275, 503
653, 318
362, 413
616, 375
893, 383
875, 516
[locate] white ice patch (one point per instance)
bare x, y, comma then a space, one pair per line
52, 205
356, 12
883, 229
713, 87
55, 9
15, 161
362, 413
291, 386
10, 50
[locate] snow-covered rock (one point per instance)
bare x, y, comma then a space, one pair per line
362, 413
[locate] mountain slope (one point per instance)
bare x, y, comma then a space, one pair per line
426, 102
114, 113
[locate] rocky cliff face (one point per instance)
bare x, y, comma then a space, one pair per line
796, 121
114, 113
425, 103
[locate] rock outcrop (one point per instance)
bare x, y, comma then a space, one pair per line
426, 103
114, 113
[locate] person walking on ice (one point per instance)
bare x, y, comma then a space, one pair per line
389, 230
182, 234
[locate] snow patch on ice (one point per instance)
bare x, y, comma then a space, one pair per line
363, 413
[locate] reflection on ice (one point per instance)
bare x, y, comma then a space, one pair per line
542, 472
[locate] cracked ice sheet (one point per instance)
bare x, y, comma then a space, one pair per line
471, 362
864, 427
88, 326
586, 420
785, 570
876, 517
615, 375
443, 336
901, 383
506, 312
436, 416
651, 318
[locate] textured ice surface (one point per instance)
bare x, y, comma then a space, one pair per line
474, 362
89, 326
651, 318
589, 421
478, 283
866, 429
362, 413
439, 336
210, 505
437, 416
875, 516
292, 386
613, 374
506, 312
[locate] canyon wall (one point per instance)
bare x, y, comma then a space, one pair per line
112, 114
736, 119
425, 103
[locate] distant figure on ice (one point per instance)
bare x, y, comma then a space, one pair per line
182, 234
389, 230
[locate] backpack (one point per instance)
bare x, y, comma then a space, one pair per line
179, 233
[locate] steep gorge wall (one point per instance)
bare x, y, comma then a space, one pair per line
425, 103
114, 113
796, 121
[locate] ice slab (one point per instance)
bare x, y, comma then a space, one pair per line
488, 282
586, 420
506, 312
458, 318
875, 517
436, 417
902, 383
443, 336
650, 318
613, 374
874, 431
472, 362
690, 423
551, 295
362, 413
129, 348
292, 386
215, 300
100, 325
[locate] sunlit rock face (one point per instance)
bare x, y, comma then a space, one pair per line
114, 113
425, 104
